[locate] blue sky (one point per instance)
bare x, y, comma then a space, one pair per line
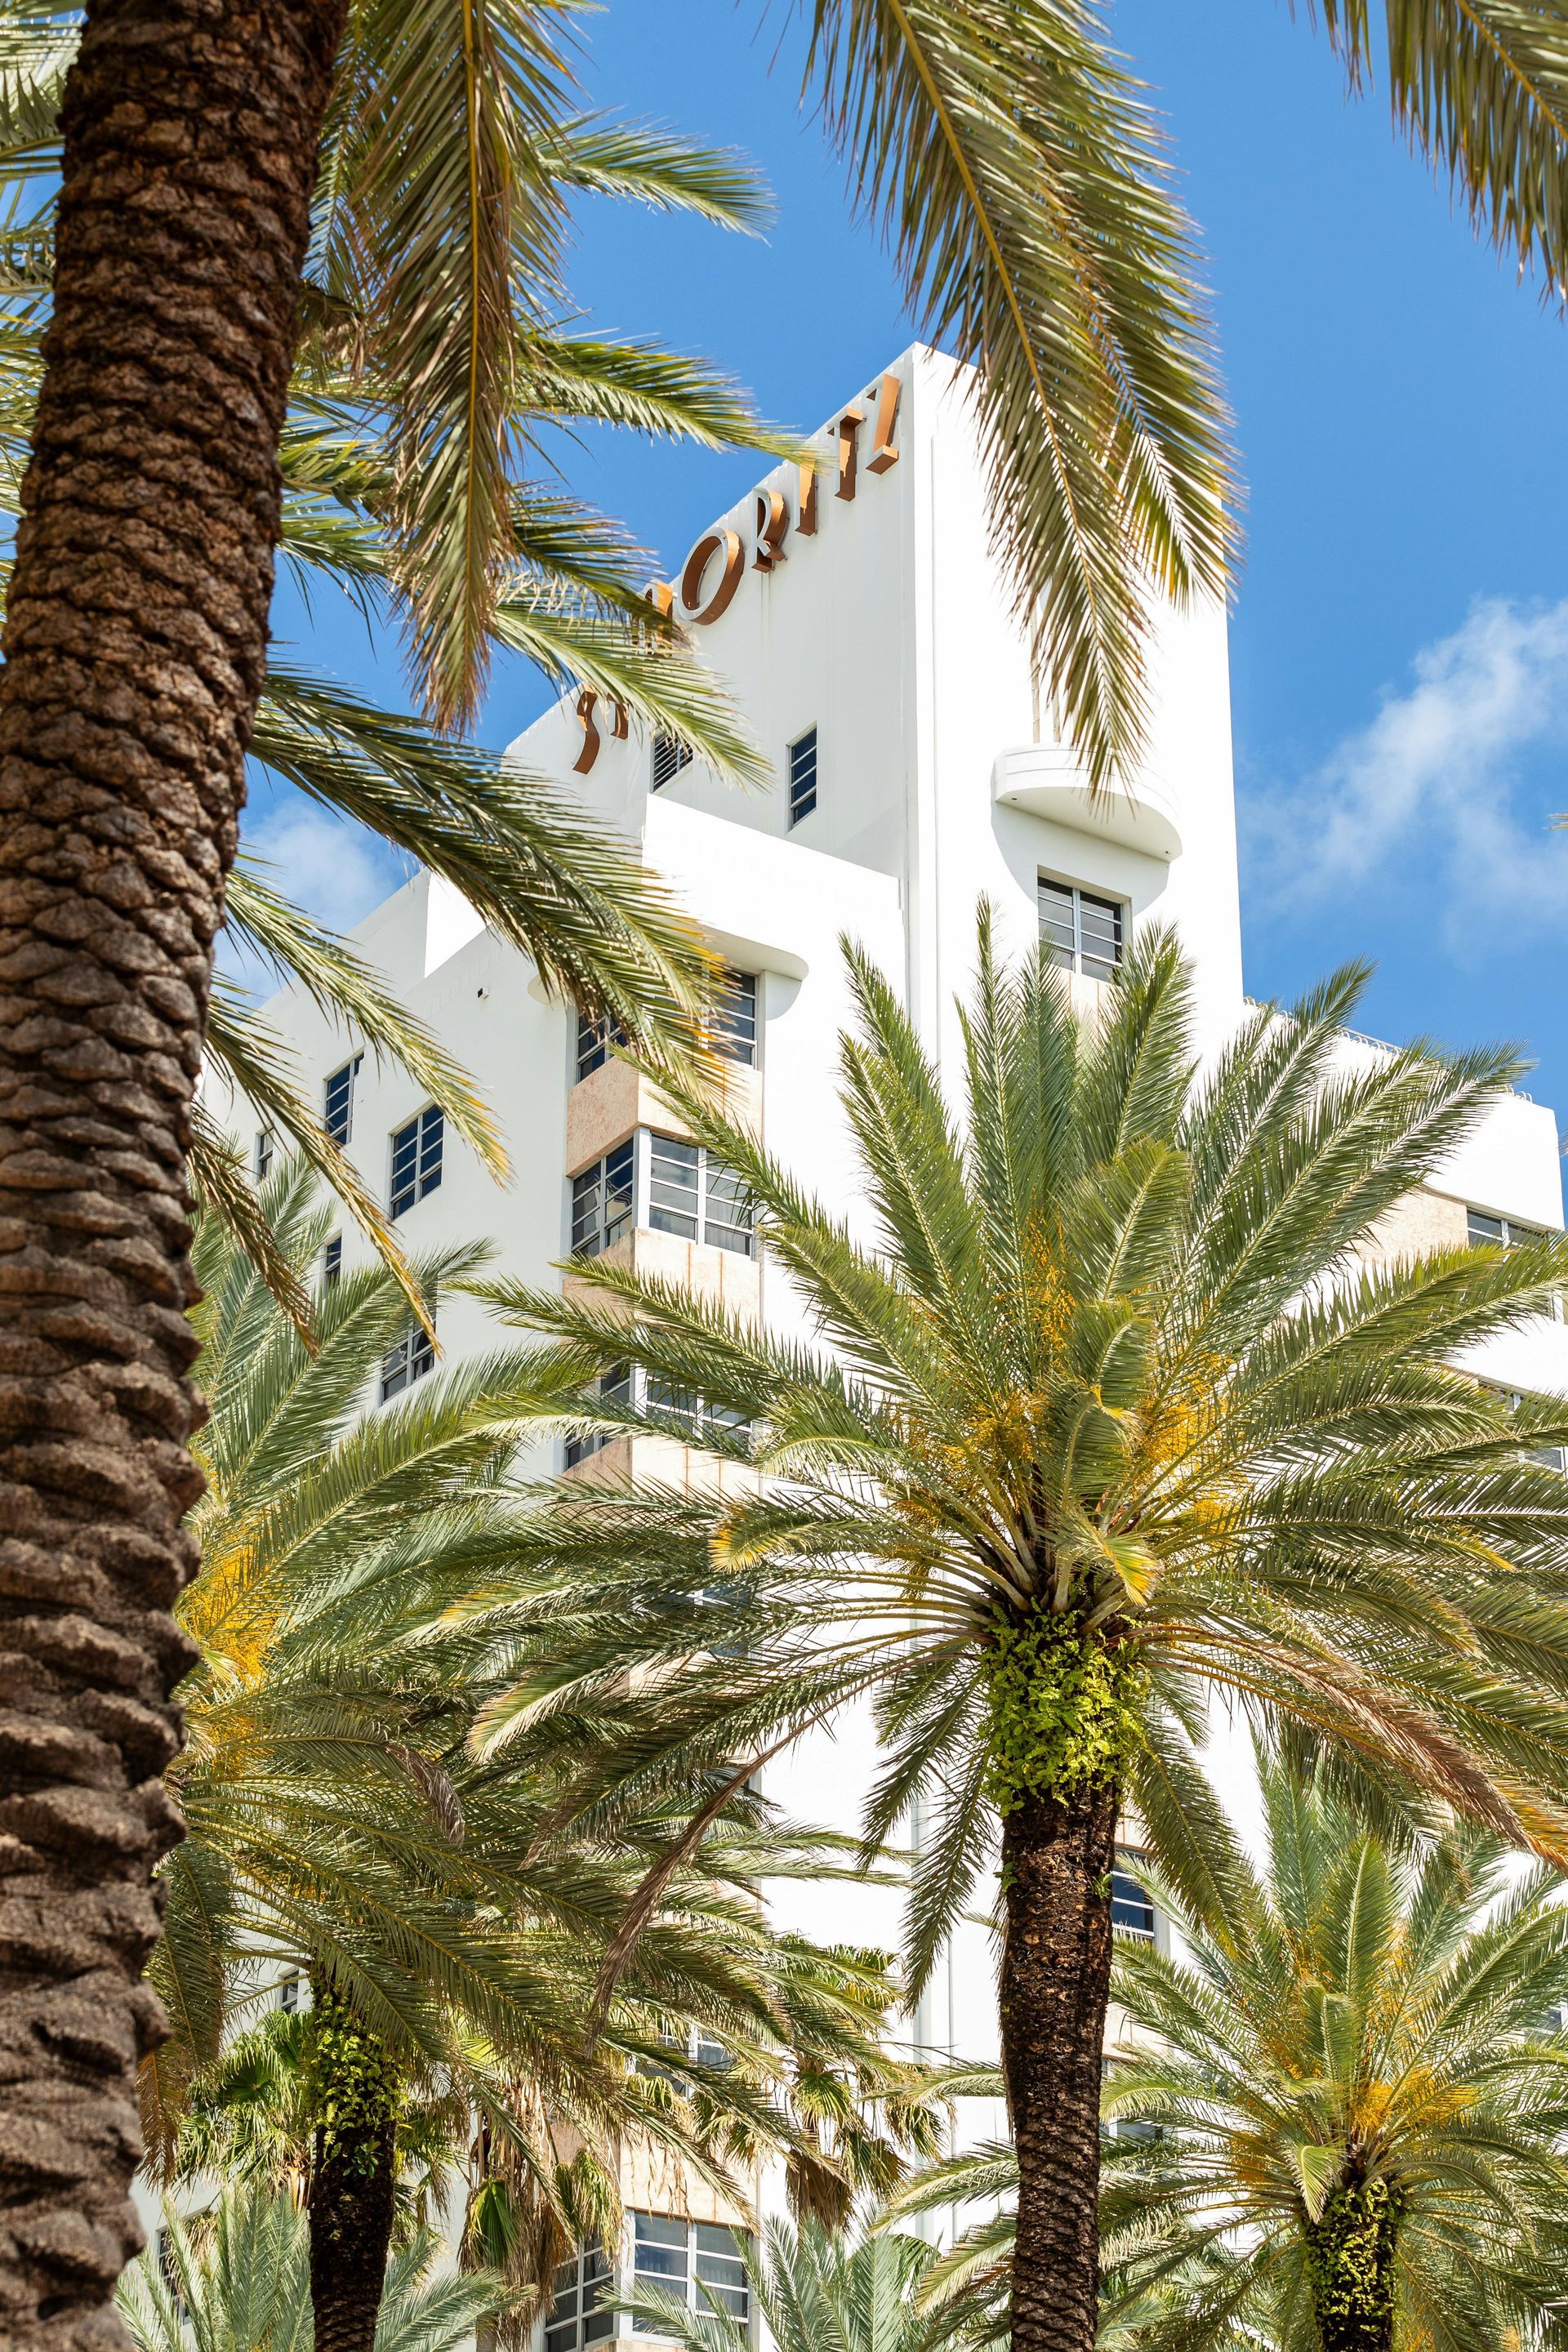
1400, 638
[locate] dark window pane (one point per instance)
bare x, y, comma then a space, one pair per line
669, 756
337, 1115
1100, 923
802, 775
595, 1039
1057, 924
333, 1260
416, 1150
407, 1361
1131, 1909
735, 1017
602, 1198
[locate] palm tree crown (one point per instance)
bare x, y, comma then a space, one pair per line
1360, 2087
1107, 1418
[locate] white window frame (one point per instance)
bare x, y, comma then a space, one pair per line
686, 2288
1073, 960
331, 1260
693, 1425
349, 1073
425, 1181
1510, 1232
406, 1361
1126, 1890
552, 2335
264, 1154
730, 1043
711, 1173
594, 1041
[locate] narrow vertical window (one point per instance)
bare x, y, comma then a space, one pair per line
416, 1157
263, 1159
332, 1261
735, 1017
802, 775
669, 756
338, 1107
602, 1201
580, 2311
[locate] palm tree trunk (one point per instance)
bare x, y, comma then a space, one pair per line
134, 646
351, 2214
356, 2095
1350, 2263
1056, 1860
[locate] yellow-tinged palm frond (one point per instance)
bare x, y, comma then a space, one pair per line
1106, 1355
1020, 179
335, 1818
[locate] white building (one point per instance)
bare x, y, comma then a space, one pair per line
864, 629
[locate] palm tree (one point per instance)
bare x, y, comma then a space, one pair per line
1348, 2082
135, 653
452, 1928
1099, 1421
238, 2280
813, 2291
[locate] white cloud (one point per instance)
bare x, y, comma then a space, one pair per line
1428, 792
336, 870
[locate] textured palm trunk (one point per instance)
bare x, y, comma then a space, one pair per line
350, 2213
1056, 1860
1351, 2253
134, 646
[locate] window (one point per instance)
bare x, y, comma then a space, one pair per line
667, 1185
1551, 1457
581, 2312
409, 1360
735, 1017
617, 1384
1503, 1233
669, 756
595, 1039
337, 1110
802, 775
698, 2263
288, 1996
1082, 933
416, 1157
698, 2046
602, 1201
332, 1261
169, 2274
691, 1193
263, 1161
1131, 1912
690, 1414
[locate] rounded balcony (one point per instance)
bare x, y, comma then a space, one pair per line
1049, 780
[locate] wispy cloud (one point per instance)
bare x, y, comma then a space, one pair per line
1442, 791
336, 870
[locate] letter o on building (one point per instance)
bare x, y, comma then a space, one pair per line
715, 542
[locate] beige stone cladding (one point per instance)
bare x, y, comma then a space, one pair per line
1416, 1226
604, 1109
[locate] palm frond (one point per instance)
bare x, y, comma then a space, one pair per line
1102, 430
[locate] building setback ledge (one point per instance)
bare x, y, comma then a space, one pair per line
1047, 780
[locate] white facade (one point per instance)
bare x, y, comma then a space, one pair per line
887, 630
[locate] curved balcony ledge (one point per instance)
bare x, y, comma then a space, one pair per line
1047, 780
